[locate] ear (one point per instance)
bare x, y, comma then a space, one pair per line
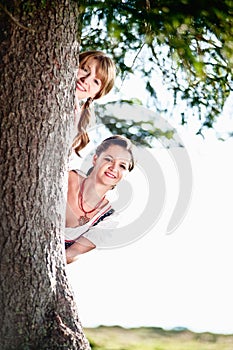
94, 159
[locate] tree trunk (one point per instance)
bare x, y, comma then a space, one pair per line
38, 62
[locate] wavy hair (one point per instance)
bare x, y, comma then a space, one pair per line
107, 73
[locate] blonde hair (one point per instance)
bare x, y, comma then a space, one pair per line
106, 73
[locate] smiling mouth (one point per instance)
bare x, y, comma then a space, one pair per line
110, 175
80, 87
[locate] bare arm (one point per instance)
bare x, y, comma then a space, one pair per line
81, 246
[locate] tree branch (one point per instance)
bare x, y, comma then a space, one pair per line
14, 20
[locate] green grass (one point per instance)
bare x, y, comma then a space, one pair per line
117, 338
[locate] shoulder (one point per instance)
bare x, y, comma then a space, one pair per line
75, 178
78, 172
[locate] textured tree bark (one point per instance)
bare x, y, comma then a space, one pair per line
38, 62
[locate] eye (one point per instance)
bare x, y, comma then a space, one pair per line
108, 159
85, 69
97, 82
123, 166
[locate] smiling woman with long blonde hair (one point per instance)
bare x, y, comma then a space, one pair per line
95, 79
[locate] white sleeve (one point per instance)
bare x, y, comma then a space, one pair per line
100, 234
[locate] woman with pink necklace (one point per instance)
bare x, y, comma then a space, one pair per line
87, 207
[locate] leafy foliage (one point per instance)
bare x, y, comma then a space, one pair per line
189, 43
142, 131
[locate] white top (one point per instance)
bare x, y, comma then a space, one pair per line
96, 234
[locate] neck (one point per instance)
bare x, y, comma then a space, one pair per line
93, 190
91, 196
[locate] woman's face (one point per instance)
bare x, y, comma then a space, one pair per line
88, 83
111, 165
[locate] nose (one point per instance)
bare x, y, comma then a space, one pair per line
84, 80
87, 78
113, 166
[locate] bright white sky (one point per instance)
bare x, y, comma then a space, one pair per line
182, 279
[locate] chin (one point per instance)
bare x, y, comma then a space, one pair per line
81, 97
